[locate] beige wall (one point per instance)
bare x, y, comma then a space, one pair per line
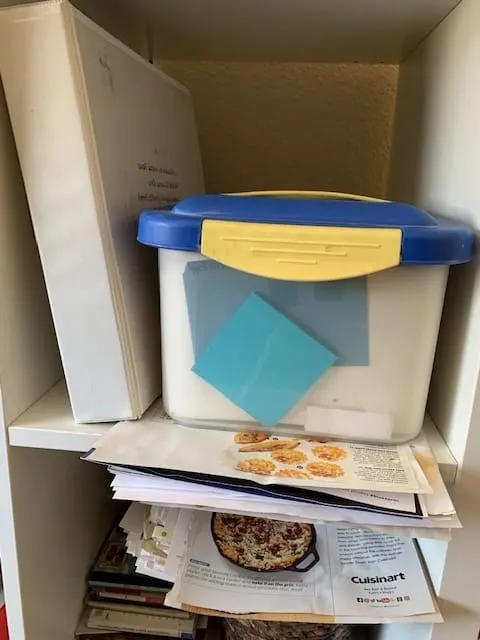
292, 125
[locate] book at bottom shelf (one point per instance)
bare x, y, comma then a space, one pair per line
121, 603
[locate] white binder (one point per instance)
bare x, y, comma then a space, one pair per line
101, 134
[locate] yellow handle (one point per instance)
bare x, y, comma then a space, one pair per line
301, 252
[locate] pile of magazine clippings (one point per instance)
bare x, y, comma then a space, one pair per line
277, 528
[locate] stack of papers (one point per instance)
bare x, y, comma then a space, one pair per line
155, 537
237, 522
390, 489
233, 564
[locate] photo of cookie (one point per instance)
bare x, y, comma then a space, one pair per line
328, 452
258, 466
289, 456
270, 445
325, 469
250, 437
293, 473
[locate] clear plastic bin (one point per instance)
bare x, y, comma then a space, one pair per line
315, 316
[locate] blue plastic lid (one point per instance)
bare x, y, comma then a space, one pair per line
425, 239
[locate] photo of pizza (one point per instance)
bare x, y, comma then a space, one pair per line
329, 452
250, 437
325, 469
269, 445
259, 544
257, 465
289, 456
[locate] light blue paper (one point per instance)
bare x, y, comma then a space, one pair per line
262, 361
334, 313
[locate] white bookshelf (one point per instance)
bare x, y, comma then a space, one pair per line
49, 424
305, 30
370, 96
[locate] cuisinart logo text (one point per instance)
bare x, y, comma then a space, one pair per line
375, 579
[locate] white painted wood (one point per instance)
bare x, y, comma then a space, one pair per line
434, 553
436, 155
435, 163
54, 509
49, 424
270, 30
119, 17
29, 362
282, 30
63, 510
8, 543
402, 631
446, 461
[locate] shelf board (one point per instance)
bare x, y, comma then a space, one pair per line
447, 463
269, 30
49, 424
282, 30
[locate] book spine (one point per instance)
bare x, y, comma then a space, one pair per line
139, 623
130, 596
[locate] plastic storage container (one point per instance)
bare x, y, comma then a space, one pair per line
301, 313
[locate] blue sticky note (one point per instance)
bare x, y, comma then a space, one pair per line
262, 361
334, 313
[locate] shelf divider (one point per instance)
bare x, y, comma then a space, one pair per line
49, 424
